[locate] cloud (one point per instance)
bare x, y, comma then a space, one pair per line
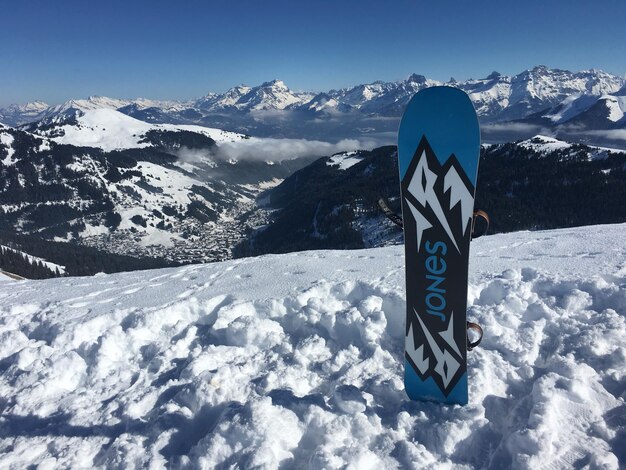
521, 127
511, 131
269, 149
187, 155
611, 134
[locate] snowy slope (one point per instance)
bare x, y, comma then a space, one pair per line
296, 360
7, 140
344, 160
544, 145
34, 259
570, 107
616, 106
173, 197
110, 130
90, 103
103, 102
586, 112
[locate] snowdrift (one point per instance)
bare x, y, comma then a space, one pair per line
295, 361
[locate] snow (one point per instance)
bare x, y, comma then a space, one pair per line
545, 144
110, 130
34, 107
7, 141
94, 230
296, 361
91, 103
616, 106
570, 107
274, 95
344, 160
218, 135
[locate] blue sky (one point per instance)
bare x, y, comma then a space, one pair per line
164, 49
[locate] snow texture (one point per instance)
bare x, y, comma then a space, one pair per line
296, 361
6, 140
344, 160
110, 130
545, 145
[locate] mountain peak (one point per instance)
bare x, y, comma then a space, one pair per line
238, 90
276, 84
416, 78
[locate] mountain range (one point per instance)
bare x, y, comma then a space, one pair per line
587, 106
533, 184
108, 181
113, 187
126, 193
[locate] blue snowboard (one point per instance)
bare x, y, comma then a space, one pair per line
438, 151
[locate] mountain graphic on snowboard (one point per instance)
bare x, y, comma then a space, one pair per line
438, 150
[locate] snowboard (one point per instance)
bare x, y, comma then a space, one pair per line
438, 151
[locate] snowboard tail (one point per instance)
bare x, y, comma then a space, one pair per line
438, 150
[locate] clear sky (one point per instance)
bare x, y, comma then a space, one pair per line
56, 50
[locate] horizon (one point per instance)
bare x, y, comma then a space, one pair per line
70, 49
131, 98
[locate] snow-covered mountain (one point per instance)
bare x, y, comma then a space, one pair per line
106, 180
214, 101
19, 114
588, 112
109, 129
274, 95
508, 98
38, 110
190, 193
296, 361
537, 183
378, 98
252, 109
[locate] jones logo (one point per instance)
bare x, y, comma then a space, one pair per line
436, 268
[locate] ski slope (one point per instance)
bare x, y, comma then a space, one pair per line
109, 130
295, 361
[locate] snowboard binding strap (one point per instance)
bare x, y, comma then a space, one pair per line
478, 329
478, 215
395, 218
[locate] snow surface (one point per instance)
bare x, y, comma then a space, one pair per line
616, 106
6, 140
544, 144
296, 361
344, 160
110, 130
4, 277
571, 107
